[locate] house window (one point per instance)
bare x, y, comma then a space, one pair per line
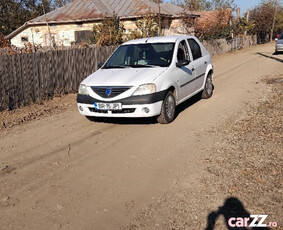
82, 36
24, 39
51, 39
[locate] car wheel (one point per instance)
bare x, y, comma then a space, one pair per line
168, 109
208, 88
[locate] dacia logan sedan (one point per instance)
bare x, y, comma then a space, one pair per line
148, 77
279, 44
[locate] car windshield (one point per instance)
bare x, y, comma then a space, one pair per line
141, 56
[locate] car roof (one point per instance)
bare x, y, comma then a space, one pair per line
161, 39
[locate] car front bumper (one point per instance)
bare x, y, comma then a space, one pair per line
133, 106
279, 48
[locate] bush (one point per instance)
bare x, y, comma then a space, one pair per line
107, 33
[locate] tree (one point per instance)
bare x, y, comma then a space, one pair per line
279, 21
157, 1
223, 4
14, 13
60, 3
241, 26
263, 18
109, 32
200, 5
197, 5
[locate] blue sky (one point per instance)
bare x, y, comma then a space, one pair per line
246, 4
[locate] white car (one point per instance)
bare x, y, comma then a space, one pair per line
279, 44
148, 77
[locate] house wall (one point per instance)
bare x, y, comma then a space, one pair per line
39, 35
64, 34
176, 27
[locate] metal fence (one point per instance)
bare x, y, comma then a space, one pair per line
26, 78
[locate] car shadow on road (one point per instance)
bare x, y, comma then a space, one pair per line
232, 208
188, 103
273, 58
124, 121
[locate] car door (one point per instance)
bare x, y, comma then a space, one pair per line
185, 74
200, 63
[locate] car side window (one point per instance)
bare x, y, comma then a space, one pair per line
183, 51
195, 48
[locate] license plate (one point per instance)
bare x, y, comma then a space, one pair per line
108, 106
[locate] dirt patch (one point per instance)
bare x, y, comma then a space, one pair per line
11, 118
243, 177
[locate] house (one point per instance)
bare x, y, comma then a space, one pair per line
73, 22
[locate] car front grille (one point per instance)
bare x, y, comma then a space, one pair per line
109, 91
130, 110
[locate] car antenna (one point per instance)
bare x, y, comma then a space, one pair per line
146, 40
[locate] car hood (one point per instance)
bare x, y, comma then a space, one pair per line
123, 77
280, 41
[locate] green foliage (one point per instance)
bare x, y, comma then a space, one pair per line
223, 4
14, 13
240, 26
109, 32
216, 32
262, 17
279, 20
146, 27
197, 5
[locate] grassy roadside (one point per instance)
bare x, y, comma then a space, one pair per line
249, 159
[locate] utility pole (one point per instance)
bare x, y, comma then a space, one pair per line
159, 19
48, 28
276, 4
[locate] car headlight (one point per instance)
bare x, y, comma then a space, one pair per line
83, 89
145, 89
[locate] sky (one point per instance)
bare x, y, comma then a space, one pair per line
244, 4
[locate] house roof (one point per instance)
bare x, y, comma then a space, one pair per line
92, 10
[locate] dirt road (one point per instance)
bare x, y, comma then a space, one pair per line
65, 172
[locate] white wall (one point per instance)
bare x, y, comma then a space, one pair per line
33, 36
66, 37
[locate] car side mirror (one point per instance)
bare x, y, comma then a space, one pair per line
182, 63
100, 64
276, 39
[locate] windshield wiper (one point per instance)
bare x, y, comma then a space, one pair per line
116, 66
142, 66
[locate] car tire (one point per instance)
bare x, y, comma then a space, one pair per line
208, 87
168, 109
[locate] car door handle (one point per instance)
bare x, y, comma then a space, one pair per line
193, 69
205, 62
